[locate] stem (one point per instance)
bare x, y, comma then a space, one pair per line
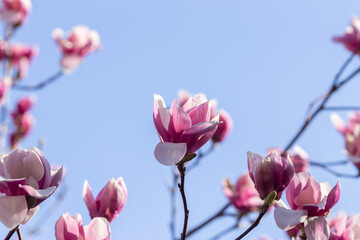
333, 163
181, 185
19, 233
9, 235
215, 216
326, 98
263, 210
346, 63
40, 85
326, 168
342, 108
173, 204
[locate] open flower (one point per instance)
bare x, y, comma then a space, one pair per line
182, 130
351, 132
109, 202
269, 174
351, 37
243, 195
70, 227
298, 157
15, 12
25, 181
310, 203
80, 42
344, 227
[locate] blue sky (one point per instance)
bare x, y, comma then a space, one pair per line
263, 60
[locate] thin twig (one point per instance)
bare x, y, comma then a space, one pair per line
263, 210
346, 63
173, 204
220, 213
40, 85
332, 163
181, 186
9, 235
326, 98
326, 168
342, 108
19, 233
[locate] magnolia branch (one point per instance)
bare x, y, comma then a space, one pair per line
206, 222
181, 186
326, 168
40, 85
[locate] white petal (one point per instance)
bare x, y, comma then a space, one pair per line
286, 219
13, 210
170, 153
317, 228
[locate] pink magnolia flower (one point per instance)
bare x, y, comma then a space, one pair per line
20, 56
243, 195
182, 130
226, 126
80, 42
351, 132
15, 11
310, 202
109, 202
351, 37
298, 157
25, 104
272, 173
70, 227
25, 181
344, 227
5, 85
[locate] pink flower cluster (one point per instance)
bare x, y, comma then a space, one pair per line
344, 227
310, 203
80, 42
243, 196
15, 12
351, 37
22, 119
26, 180
351, 133
71, 228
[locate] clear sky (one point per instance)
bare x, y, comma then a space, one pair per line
263, 60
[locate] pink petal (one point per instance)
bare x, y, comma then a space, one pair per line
333, 196
254, 160
194, 101
287, 219
170, 153
66, 228
89, 198
13, 210
338, 123
161, 118
200, 113
70, 62
30, 214
38, 193
56, 176
317, 228
195, 136
98, 229
179, 121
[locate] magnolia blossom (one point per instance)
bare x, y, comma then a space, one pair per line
351, 132
22, 119
25, 181
344, 227
182, 130
109, 202
226, 126
19, 56
70, 227
351, 37
243, 195
298, 157
15, 11
310, 202
5, 85
80, 42
272, 173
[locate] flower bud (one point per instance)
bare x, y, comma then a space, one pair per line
272, 173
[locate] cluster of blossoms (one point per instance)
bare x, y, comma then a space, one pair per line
103, 210
22, 119
26, 180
